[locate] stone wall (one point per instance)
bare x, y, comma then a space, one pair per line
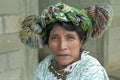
114, 38
17, 62
114, 41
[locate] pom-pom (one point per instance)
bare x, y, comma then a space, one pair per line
101, 17
31, 30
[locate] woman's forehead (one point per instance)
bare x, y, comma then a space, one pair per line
60, 30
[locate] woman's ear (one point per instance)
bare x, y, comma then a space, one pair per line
101, 16
82, 42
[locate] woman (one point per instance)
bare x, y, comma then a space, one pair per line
65, 29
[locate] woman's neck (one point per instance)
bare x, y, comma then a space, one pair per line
59, 66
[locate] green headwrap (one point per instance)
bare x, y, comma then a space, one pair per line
93, 20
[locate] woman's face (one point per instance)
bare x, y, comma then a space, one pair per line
65, 45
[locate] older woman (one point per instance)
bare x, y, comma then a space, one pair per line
65, 29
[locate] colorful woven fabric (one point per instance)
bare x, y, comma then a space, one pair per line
93, 20
30, 33
101, 17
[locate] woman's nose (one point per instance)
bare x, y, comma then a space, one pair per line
62, 45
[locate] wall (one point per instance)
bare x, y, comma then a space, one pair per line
114, 41
17, 62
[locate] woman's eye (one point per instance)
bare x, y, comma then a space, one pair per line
71, 38
54, 37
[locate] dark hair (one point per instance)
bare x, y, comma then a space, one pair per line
67, 26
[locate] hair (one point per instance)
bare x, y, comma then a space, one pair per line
67, 26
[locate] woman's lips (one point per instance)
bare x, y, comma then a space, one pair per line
62, 55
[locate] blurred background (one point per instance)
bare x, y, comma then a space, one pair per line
18, 62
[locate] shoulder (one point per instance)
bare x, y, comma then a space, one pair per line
89, 60
92, 69
46, 61
43, 66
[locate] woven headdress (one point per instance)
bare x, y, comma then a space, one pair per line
94, 20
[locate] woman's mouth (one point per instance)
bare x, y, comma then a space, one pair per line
62, 55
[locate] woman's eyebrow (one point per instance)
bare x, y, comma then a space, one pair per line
53, 35
70, 34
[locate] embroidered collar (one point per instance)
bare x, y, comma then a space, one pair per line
70, 67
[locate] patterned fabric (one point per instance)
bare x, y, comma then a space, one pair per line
88, 68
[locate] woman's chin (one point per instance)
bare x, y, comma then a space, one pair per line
63, 62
